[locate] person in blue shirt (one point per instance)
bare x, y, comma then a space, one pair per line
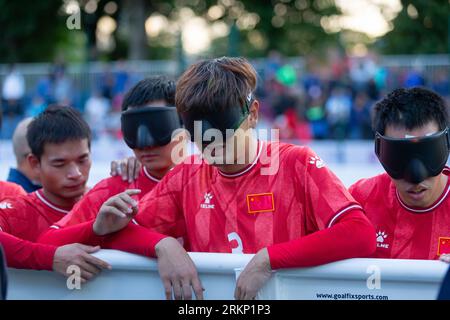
23, 175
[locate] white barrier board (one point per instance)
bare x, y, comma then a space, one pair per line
136, 277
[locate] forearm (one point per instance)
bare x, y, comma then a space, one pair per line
134, 239
79, 233
351, 237
22, 254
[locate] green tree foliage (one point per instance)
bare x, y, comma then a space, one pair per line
292, 27
421, 26
299, 30
35, 30
30, 30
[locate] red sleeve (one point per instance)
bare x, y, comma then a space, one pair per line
4, 224
17, 218
160, 210
10, 189
363, 189
325, 197
18, 190
134, 239
79, 233
353, 189
352, 236
23, 254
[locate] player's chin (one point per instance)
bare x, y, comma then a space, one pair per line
217, 160
419, 199
74, 192
221, 167
156, 163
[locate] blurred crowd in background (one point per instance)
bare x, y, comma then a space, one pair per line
334, 100
305, 98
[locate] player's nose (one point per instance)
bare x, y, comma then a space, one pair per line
74, 172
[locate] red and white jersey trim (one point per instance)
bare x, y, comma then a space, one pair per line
405, 206
340, 213
233, 175
437, 204
47, 203
148, 175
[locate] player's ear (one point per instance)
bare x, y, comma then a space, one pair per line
253, 116
34, 163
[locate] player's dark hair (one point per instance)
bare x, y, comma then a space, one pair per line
215, 85
57, 124
149, 90
410, 108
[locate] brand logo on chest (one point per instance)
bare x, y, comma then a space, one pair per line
381, 237
5, 205
207, 201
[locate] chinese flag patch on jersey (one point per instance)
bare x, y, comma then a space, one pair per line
444, 245
261, 202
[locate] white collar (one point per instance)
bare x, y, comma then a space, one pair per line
233, 175
148, 175
46, 202
443, 197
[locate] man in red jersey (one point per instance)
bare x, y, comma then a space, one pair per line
60, 143
277, 200
409, 205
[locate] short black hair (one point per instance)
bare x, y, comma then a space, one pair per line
410, 108
57, 124
148, 90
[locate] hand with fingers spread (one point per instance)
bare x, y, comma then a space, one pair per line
79, 255
255, 274
116, 213
177, 271
128, 168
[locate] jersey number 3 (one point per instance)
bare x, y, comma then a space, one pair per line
234, 237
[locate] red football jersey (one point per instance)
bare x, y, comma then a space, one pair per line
27, 216
21, 253
87, 208
249, 210
9, 189
403, 232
